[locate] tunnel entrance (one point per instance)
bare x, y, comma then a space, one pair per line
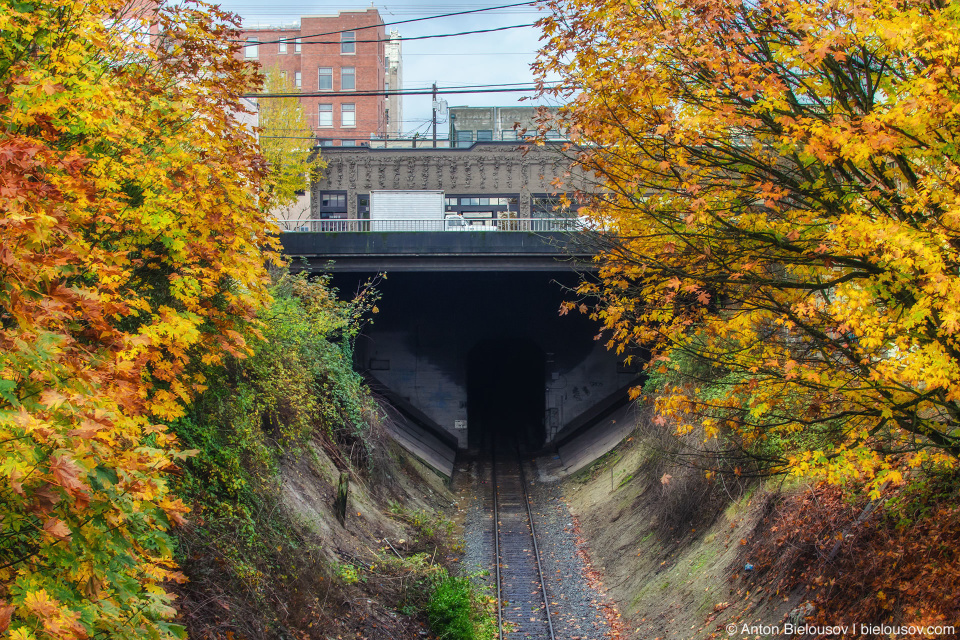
506, 394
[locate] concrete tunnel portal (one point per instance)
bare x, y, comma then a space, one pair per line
477, 355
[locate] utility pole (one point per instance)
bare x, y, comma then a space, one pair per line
434, 115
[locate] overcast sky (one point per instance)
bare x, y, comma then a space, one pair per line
479, 59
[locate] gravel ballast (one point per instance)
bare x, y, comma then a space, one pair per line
579, 608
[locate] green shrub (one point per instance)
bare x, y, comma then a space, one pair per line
450, 609
456, 611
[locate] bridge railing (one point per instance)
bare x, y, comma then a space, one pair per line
449, 224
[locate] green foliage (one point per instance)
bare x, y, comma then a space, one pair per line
348, 574
921, 497
297, 386
286, 140
688, 367
763, 448
298, 382
457, 611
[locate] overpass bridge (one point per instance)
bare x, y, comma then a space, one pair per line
533, 244
469, 343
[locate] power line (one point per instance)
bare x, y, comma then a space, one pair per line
400, 92
390, 24
476, 53
489, 86
439, 35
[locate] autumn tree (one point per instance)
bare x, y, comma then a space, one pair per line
778, 200
288, 147
132, 247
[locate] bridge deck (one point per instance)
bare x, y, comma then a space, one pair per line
434, 250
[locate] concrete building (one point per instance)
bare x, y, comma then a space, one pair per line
341, 56
483, 183
496, 124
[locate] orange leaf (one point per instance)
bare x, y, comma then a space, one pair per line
57, 528
67, 473
6, 611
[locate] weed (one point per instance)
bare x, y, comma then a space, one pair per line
348, 573
430, 529
457, 611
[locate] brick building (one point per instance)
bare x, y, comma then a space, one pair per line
342, 55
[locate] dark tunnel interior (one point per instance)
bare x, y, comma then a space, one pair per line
506, 394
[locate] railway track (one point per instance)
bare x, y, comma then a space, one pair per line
522, 603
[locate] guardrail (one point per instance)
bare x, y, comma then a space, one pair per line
449, 224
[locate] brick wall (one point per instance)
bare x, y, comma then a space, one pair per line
325, 51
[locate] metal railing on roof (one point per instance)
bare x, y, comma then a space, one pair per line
452, 224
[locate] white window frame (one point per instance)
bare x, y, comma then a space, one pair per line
325, 109
321, 74
282, 46
348, 108
297, 79
296, 45
251, 51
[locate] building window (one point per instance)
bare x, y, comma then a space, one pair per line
386, 86
326, 115
297, 79
296, 45
333, 204
482, 210
485, 135
283, 77
386, 116
283, 46
348, 143
348, 115
544, 205
348, 42
464, 138
333, 200
252, 50
348, 79
325, 79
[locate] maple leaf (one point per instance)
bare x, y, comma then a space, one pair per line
52, 399
40, 604
57, 528
67, 473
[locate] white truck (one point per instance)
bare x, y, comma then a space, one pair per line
410, 211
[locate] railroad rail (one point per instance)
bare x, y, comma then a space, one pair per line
522, 601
